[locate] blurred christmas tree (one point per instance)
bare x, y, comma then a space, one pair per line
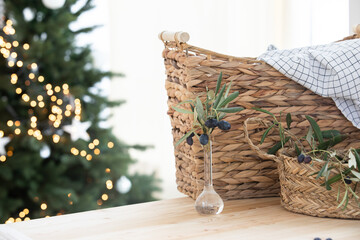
55, 158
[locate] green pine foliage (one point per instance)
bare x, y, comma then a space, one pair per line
65, 182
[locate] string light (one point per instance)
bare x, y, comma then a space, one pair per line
41, 79
74, 151
96, 142
83, 153
104, 197
43, 206
25, 97
109, 184
26, 211
10, 220
33, 103
56, 138
18, 90
10, 123
107, 170
10, 153
97, 151
41, 104
17, 131
19, 63
26, 46
110, 144
34, 66
77, 109
14, 78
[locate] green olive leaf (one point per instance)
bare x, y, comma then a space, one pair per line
219, 96
230, 110
266, 133
316, 128
180, 110
288, 120
227, 100
218, 83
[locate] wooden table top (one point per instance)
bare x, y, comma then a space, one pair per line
177, 219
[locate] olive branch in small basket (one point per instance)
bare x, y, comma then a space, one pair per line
347, 163
208, 114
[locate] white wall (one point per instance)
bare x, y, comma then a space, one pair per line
354, 11
236, 27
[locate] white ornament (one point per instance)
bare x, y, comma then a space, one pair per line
29, 14
77, 130
45, 151
3, 142
123, 185
53, 4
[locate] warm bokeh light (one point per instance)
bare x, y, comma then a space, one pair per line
56, 138
104, 197
109, 184
26, 46
110, 144
97, 151
43, 206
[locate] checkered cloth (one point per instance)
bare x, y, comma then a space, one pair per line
331, 70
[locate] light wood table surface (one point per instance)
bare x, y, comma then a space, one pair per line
177, 219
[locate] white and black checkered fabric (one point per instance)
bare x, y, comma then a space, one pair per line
331, 70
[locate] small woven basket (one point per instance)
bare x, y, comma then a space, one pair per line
238, 172
301, 192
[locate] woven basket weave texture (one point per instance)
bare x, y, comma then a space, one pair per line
301, 191
237, 170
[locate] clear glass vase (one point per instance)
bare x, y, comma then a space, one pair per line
208, 202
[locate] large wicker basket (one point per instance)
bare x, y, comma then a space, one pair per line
237, 170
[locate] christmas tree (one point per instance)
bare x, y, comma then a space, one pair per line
55, 156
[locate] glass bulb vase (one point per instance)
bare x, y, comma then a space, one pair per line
208, 202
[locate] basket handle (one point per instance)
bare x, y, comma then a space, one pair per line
261, 153
178, 37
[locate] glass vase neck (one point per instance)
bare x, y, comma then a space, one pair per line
208, 164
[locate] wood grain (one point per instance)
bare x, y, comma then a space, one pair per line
176, 219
